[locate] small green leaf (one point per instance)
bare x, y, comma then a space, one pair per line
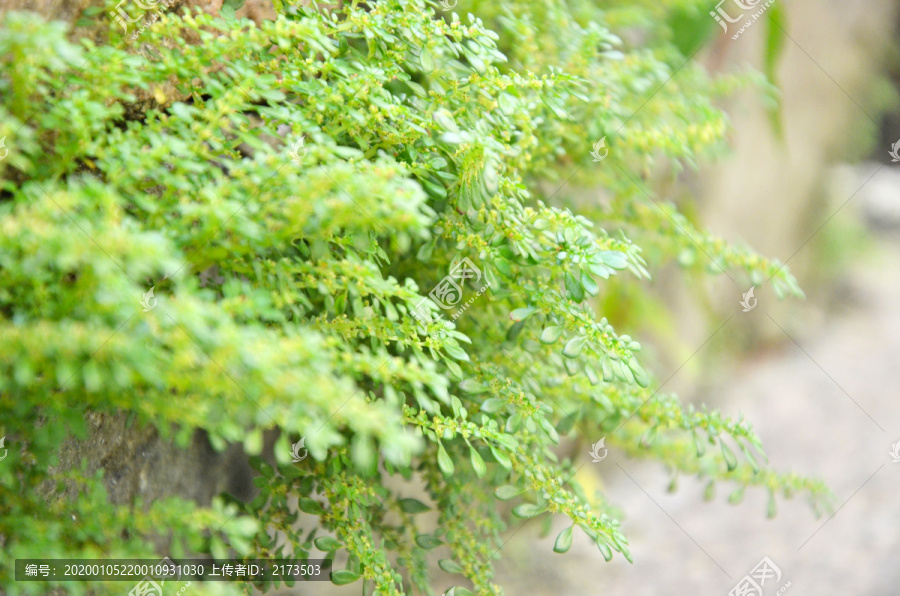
491, 177
507, 441
450, 566
566, 424
737, 496
573, 347
673, 485
503, 267
444, 461
507, 104
227, 12
750, 459
426, 60
520, 314
527, 510
492, 405
343, 577
477, 462
514, 423
563, 541
183, 111
640, 375
364, 454
606, 367
412, 506
456, 139
310, 506
605, 550
456, 352
699, 444
507, 492
501, 458
614, 259
471, 386
551, 334
459, 591
589, 285
514, 330
573, 288
327, 543
427, 541
549, 429
728, 454
445, 120
424, 252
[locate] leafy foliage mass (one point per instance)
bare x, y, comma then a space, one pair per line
286, 290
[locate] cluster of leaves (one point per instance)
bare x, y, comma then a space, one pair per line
290, 292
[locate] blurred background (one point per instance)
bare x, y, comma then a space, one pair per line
818, 377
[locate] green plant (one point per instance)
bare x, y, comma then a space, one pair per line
287, 288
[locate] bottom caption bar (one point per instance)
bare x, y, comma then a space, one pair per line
170, 570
